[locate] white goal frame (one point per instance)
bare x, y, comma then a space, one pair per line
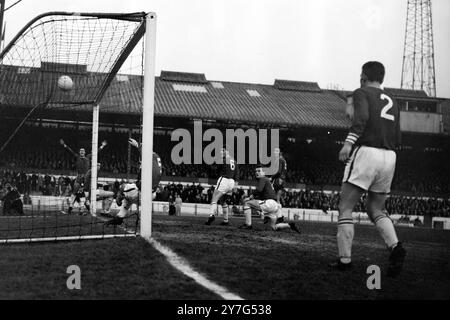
148, 109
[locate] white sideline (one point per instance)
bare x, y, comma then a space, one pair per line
183, 266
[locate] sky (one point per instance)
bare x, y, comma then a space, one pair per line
258, 41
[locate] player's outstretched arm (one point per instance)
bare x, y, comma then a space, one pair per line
61, 141
102, 146
135, 144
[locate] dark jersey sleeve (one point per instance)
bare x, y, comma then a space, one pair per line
71, 151
360, 117
282, 169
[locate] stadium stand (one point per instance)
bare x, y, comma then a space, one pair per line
311, 121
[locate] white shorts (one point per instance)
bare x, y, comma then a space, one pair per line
269, 208
225, 185
371, 169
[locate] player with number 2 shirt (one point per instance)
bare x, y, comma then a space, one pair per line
370, 164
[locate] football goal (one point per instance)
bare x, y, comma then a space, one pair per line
66, 65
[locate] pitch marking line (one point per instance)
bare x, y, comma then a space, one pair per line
183, 266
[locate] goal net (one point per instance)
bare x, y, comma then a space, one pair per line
59, 77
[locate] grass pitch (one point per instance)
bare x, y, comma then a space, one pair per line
254, 264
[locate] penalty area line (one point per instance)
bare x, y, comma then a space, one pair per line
183, 266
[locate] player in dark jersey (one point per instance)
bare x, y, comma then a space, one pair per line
82, 165
229, 173
278, 180
264, 201
370, 156
156, 170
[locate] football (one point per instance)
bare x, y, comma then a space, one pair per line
65, 83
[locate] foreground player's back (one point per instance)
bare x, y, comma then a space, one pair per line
378, 117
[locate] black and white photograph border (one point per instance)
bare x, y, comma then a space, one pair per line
202, 151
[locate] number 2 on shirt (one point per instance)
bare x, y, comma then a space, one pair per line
387, 107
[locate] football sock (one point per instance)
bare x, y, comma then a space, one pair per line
346, 231
386, 229
213, 209
225, 213
248, 216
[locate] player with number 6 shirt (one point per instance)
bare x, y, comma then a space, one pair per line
224, 187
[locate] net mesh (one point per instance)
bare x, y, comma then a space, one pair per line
88, 49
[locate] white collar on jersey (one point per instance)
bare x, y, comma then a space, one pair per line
374, 84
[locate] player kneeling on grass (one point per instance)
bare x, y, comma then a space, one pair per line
264, 200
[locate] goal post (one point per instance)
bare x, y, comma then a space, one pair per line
94, 161
91, 51
147, 126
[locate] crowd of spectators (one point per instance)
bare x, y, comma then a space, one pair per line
310, 199
311, 162
196, 193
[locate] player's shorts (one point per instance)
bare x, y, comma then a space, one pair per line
225, 185
371, 169
268, 208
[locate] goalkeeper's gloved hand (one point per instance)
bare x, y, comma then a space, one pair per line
133, 142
